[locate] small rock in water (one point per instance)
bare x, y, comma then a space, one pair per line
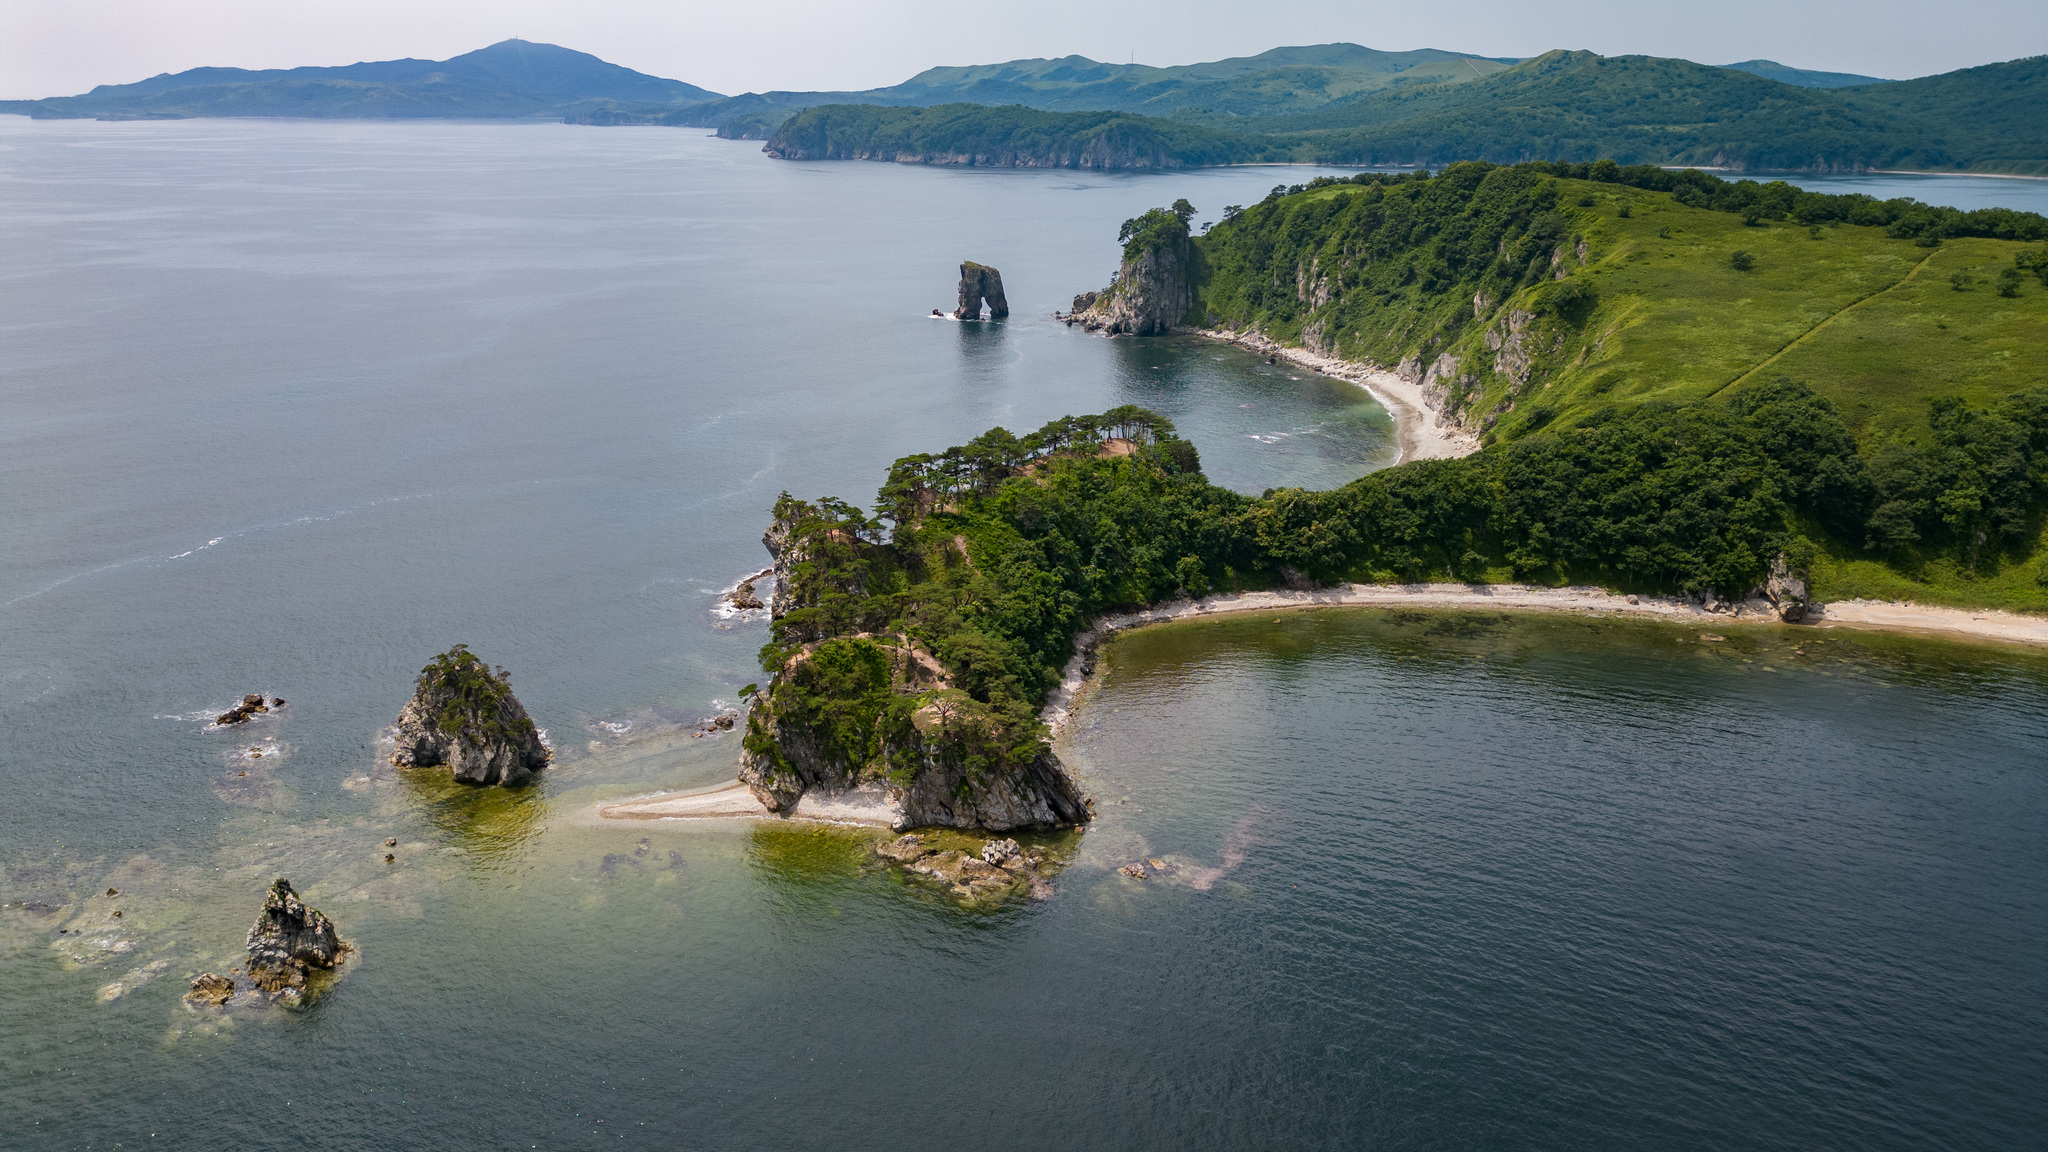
250, 706
1712, 638
998, 852
1135, 870
211, 988
391, 841
113, 891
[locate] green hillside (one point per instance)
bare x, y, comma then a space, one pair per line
1564, 106
1577, 106
1013, 137
1543, 303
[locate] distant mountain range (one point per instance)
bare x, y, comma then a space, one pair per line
1335, 103
510, 79
1800, 77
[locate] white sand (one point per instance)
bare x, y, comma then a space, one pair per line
867, 807
1419, 429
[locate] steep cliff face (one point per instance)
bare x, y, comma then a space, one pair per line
464, 716
863, 711
1155, 285
287, 941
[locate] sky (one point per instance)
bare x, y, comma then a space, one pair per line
64, 47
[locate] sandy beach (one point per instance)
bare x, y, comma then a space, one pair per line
870, 808
1419, 430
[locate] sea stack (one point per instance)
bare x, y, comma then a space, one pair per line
464, 715
287, 941
980, 282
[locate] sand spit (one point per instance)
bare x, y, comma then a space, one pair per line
1864, 614
1419, 429
864, 807
868, 807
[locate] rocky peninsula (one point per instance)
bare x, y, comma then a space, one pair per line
465, 716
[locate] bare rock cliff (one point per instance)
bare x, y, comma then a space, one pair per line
1151, 295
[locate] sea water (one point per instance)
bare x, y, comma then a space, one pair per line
290, 407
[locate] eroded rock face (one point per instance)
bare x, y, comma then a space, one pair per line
980, 282
464, 716
926, 776
1788, 594
287, 941
1151, 296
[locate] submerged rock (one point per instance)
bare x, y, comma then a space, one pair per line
980, 282
464, 716
1000, 870
289, 940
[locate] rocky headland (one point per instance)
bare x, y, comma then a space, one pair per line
946, 760
1154, 287
464, 715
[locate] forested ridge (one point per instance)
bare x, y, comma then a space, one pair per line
1573, 107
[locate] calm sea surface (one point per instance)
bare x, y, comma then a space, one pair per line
290, 407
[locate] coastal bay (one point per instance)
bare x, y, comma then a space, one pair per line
294, 407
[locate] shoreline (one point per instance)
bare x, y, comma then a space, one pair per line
1420, 432
1859, 615
869, 808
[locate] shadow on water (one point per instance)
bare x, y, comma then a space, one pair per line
984, 347
492, 824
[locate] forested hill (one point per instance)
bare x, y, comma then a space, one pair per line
1543, 300
1565, 106
512, 78
1578, 106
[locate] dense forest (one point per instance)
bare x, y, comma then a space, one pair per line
1010, 137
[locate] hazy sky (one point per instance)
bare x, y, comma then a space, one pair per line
63, 47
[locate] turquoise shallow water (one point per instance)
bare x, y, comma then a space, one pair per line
293, 406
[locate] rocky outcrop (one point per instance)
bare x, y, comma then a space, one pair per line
1152, 295
1510, 340
211, 989
288, 941
1787, 593
464, 716
980, 282
251, 706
